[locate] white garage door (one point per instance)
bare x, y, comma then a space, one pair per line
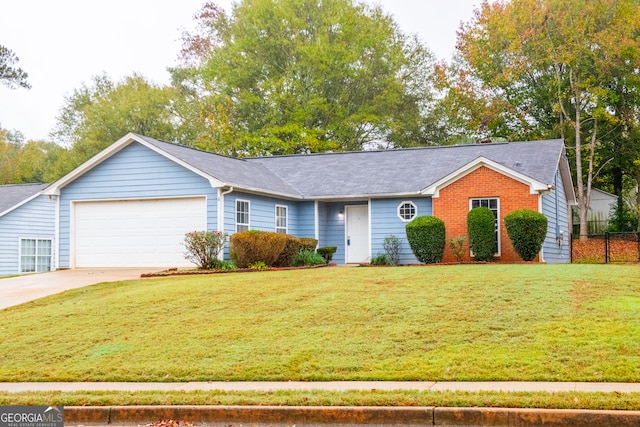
135, 233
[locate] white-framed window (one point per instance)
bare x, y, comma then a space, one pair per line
35, 255
242, 215
493, 204
282, 219
407, 211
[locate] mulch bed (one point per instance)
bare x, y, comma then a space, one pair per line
176, 272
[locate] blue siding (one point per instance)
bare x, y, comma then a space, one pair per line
555, 208
385, 221
134, 172
262, 214
35, 219
306, 224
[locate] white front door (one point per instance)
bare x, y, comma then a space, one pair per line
357, 233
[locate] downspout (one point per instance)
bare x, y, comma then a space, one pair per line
316, 224
221, 195
559, 237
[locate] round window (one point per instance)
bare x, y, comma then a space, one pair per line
407, 211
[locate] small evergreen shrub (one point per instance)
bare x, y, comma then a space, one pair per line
426, 236
291, 249
226, 265
457, 247
392, 245
308, 243
327, 252
253, 246
203, 248
260, 265
381, 259
527, 230
307, 257
481, 225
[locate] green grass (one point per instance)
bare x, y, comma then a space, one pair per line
564, 400
449, 323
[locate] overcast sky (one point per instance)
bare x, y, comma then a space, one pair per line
63, 43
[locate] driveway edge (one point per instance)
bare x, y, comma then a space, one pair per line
333, 415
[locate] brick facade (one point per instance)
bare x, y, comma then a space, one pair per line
452, 206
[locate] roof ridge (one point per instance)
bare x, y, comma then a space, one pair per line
399, 149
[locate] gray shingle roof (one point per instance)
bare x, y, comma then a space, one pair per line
367, 173
12, 195
378, 173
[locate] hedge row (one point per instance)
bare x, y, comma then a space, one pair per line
526, 229
273, 249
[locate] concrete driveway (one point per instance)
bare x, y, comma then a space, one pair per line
20, 289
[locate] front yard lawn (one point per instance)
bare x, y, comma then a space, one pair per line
449, 323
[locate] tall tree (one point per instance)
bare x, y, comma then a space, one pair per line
26, 162
95, 116
11, 76
556, 62
291, 76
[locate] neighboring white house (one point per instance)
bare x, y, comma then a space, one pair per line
599, 211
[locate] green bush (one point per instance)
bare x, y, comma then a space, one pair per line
327, 252
291, 249
381, 259
307, 257
308, 243
527, 230
253, 246
426, 236
392, 245
481, 224
203, 248
457, 247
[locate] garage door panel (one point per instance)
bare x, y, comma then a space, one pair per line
136, 233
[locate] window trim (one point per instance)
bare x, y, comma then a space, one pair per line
399, 209
242, 224
285, 229
498, 233
35, 256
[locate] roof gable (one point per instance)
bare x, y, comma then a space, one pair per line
14, 196
535, 186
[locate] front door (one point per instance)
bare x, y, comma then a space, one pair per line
357, 233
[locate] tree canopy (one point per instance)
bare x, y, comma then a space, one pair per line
95, 116
11, 76
291, 76
565, 68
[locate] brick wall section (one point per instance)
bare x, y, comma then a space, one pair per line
453, 206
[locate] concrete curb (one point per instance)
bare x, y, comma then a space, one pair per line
332, 415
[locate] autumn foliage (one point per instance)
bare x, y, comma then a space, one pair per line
253, 246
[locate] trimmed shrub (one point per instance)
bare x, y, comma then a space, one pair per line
527, 230
291, 249
307, 257
327, 252
481, 224
253, 246
308, 243
426, 236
